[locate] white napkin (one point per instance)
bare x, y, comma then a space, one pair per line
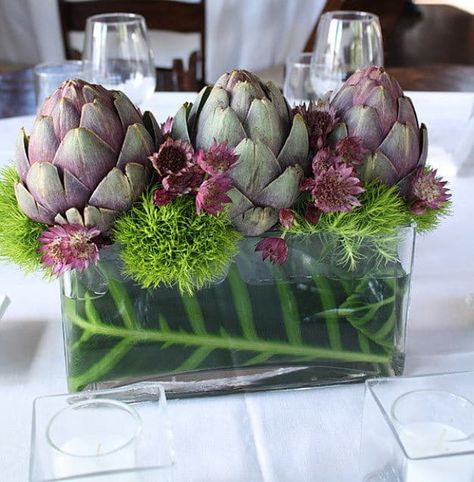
4, 302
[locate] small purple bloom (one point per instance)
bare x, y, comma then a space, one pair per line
323, 160
320, 119
173, 157
162, 197
429, 191
312, 214
166, 127
217, 160
212, 196
351, 151
336, 189
69, 246
275, 249
287, 218
306, 184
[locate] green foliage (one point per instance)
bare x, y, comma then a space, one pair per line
430, 219
373, 225
18, 234
172, 245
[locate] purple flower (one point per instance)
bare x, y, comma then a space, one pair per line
286, 217
166, 127
429, 191
320, 119
173, 157
212, 196
217, 160
312, 214
69, 246
336, 189
184, 182
351, 151
275, 249
162, 197
323, 160
306, 184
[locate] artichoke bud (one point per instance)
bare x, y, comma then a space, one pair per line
86, 158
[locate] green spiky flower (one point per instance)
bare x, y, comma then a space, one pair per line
18, 234
172, 245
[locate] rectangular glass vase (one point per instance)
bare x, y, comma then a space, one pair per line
335, 312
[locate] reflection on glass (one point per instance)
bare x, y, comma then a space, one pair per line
117, 54
345, 42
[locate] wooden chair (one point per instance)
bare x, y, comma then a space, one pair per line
167, 15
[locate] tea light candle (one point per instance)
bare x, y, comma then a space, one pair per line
432, 427
94, 436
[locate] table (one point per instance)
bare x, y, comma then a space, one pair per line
288, 436
240, 33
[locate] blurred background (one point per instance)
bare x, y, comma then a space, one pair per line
428, 44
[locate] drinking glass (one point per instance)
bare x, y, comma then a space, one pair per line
48, 76
298, 86
345, 42
117, 54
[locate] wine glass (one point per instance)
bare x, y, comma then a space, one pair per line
345, 42
298, 86
117, 54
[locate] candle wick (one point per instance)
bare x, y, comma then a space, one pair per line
99, 446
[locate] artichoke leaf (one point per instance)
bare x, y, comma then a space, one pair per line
339, 132
76, 193
73, 216
102, 218
180, 124
196, 109
281, 106
85, 156
151, 125
424, 145
221, 125
270, 131
21, 158
30, 207
256, 221
296, 148
402, 147
379, 166
363, 121
102, 120
283, 191
136, 147
46, 187
43, 142
127, 112
385, 106
406, 112
113, 192
137, 177
218, 99
255, 168
242, 96
65, 117
240, 202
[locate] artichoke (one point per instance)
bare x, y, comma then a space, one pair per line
271, 143
371, 105
86, 157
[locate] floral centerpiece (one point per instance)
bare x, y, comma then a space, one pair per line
240, 245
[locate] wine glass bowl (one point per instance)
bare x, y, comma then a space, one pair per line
345, 42
117, 54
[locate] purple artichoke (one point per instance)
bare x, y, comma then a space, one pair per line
86, 159
371, 106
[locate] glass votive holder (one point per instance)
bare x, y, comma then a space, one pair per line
117, 435
48, 76
419, 429
4, 302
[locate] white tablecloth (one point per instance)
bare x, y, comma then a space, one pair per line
250, 34
287, 436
